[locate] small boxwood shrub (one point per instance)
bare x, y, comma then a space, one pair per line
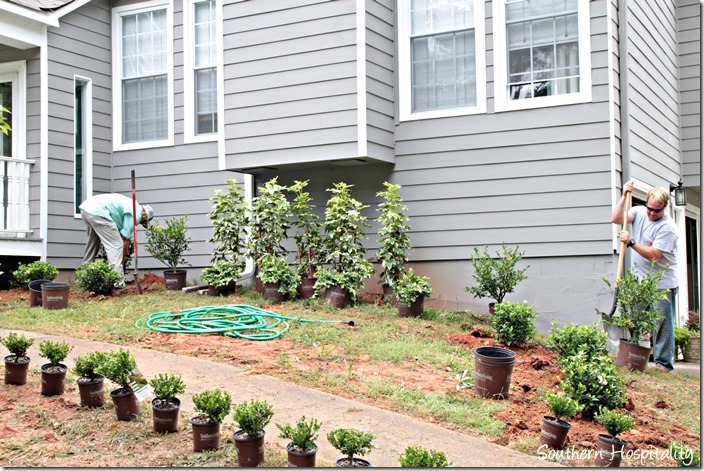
34, 271
571, 339
98, 277
513, 322
614, 422
593, 382
419, 457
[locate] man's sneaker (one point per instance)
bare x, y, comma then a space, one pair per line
120, 285
661, 367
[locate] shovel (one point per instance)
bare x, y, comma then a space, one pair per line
621, 259
134, 235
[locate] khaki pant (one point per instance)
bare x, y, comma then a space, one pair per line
103, 230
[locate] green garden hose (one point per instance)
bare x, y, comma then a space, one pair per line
233, 320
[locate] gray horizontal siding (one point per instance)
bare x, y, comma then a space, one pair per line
654, 147
689, 16
79, 46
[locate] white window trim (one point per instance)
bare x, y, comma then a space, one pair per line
501, 101
87, 138
405, 75
189, 134
117, 13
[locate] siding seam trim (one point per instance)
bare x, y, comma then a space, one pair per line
361, 79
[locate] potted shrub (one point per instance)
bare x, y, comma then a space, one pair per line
213, 405
513, 322
684, 455
17, 362
165, 405
351, 443
344, 250
118, 367
683, 341
411, 291
54, 372
498, 277
307, 237
98, 277
33, 275
168, 244
571, 339
252, 417
419, 457
302, 449
609, 446
269, 215
694, 354
394, 242
554, 430
90, 382
222, 276
280, 282
636, 298
230, 221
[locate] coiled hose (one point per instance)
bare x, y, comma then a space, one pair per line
233, 320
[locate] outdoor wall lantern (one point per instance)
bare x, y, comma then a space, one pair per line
680, 193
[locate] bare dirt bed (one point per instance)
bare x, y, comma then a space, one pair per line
536, 371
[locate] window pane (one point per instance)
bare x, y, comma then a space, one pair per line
144, 109
206, 101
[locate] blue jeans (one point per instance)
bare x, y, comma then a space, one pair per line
664, 335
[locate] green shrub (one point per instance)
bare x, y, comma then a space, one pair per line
98, 277
117, 367
351, 442
513, 322
684, 455
593, 382
571, 338
562, 406
223, 272
230, 222
418, 457
308, 238
498, 277
168, 243
274, 269
303, 435
55, 352
614, 422
87, 366
252, 416
215, 403
38, 270
16, 344
683, 339
167, 386
408, 287
394, 242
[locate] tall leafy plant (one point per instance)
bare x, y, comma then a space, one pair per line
308, 226
230, 220
496, 277
344, 249
637, 298
168, 243
394, 242
269, 217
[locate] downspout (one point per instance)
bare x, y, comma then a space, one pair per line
44, 143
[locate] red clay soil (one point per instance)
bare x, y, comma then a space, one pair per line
535, 371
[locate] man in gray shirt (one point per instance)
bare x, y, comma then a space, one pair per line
653, 238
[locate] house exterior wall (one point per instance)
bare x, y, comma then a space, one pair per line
654, 146
689, 22
79, 47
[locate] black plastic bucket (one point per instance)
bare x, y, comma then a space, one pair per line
35, 292
493, 367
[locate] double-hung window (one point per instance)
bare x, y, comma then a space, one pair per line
201, 91
542, 52
441, 49
143, 61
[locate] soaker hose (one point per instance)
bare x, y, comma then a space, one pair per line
233, 320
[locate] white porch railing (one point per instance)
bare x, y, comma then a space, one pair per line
14, 191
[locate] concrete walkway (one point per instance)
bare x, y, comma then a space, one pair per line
393, 431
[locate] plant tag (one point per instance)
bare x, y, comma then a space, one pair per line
140, 386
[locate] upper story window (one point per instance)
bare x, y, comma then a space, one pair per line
441, 49
542, 53
143, 60
202, 24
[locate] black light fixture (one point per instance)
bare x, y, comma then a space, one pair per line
680, 193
